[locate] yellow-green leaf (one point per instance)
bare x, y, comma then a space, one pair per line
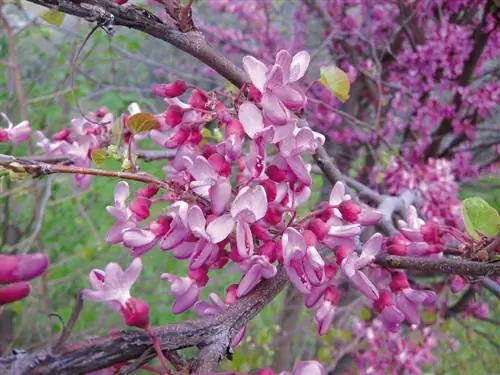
98, 156
55, 18
336, 80
142, 122
479, 216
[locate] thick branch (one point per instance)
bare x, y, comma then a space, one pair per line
103, 352
444, 266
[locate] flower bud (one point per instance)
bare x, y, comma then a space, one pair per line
172, 90
136, 313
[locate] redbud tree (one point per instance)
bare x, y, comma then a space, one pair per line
385, 100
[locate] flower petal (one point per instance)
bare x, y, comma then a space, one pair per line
256, 70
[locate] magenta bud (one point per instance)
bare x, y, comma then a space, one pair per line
198, 99
349, 211
384, 300
174, 115
14, 292
140, 207
319, 228
220, 165
61, 135
148, 191
172, 90
136, 313
399, 281
14, 268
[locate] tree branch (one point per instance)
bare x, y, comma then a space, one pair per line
444, 266
211, 334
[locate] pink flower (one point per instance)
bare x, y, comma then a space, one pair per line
122, 214
308, 368
457, 284
407, 299
172, 90
185, 290
389, 314
208, 183
326, 310
255, 268
216, 307
303, 264
15, 271
351, 264
16, 134
277, 84
179, 229
112, 286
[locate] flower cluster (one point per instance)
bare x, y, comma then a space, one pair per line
77, 142
255, 225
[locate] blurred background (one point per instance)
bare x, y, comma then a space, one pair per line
53, 216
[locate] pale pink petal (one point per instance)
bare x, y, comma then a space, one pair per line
369, 217
183, 250
20, 132
220, 194
292, 99
344, 230
297, 165
292, 243
132, 273
115, 233
202, 252
249, 280
220, 228
309, 368
408, 308
300, 63
197, 222
364, 285
371, 248
274, 77
174, 237
284, 60
251, 119
137, 237
256, 70
113, 273
122, 192
337, 193
315, 295
324, 317
274, 110
349, 265
160, 137
238, 337
244, 240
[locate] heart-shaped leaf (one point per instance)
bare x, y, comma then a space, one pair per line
142, 122
336, 80
54, 18
479, 216
98, 156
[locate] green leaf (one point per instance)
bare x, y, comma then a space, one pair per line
54, 18
336, 80
142, 122
479, 216
99, 156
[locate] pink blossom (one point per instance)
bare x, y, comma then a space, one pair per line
185, 290
351, 263
15, 133
277, 84
389, 314
255, 268
208, 183
303, 264
407, 299
112, 286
